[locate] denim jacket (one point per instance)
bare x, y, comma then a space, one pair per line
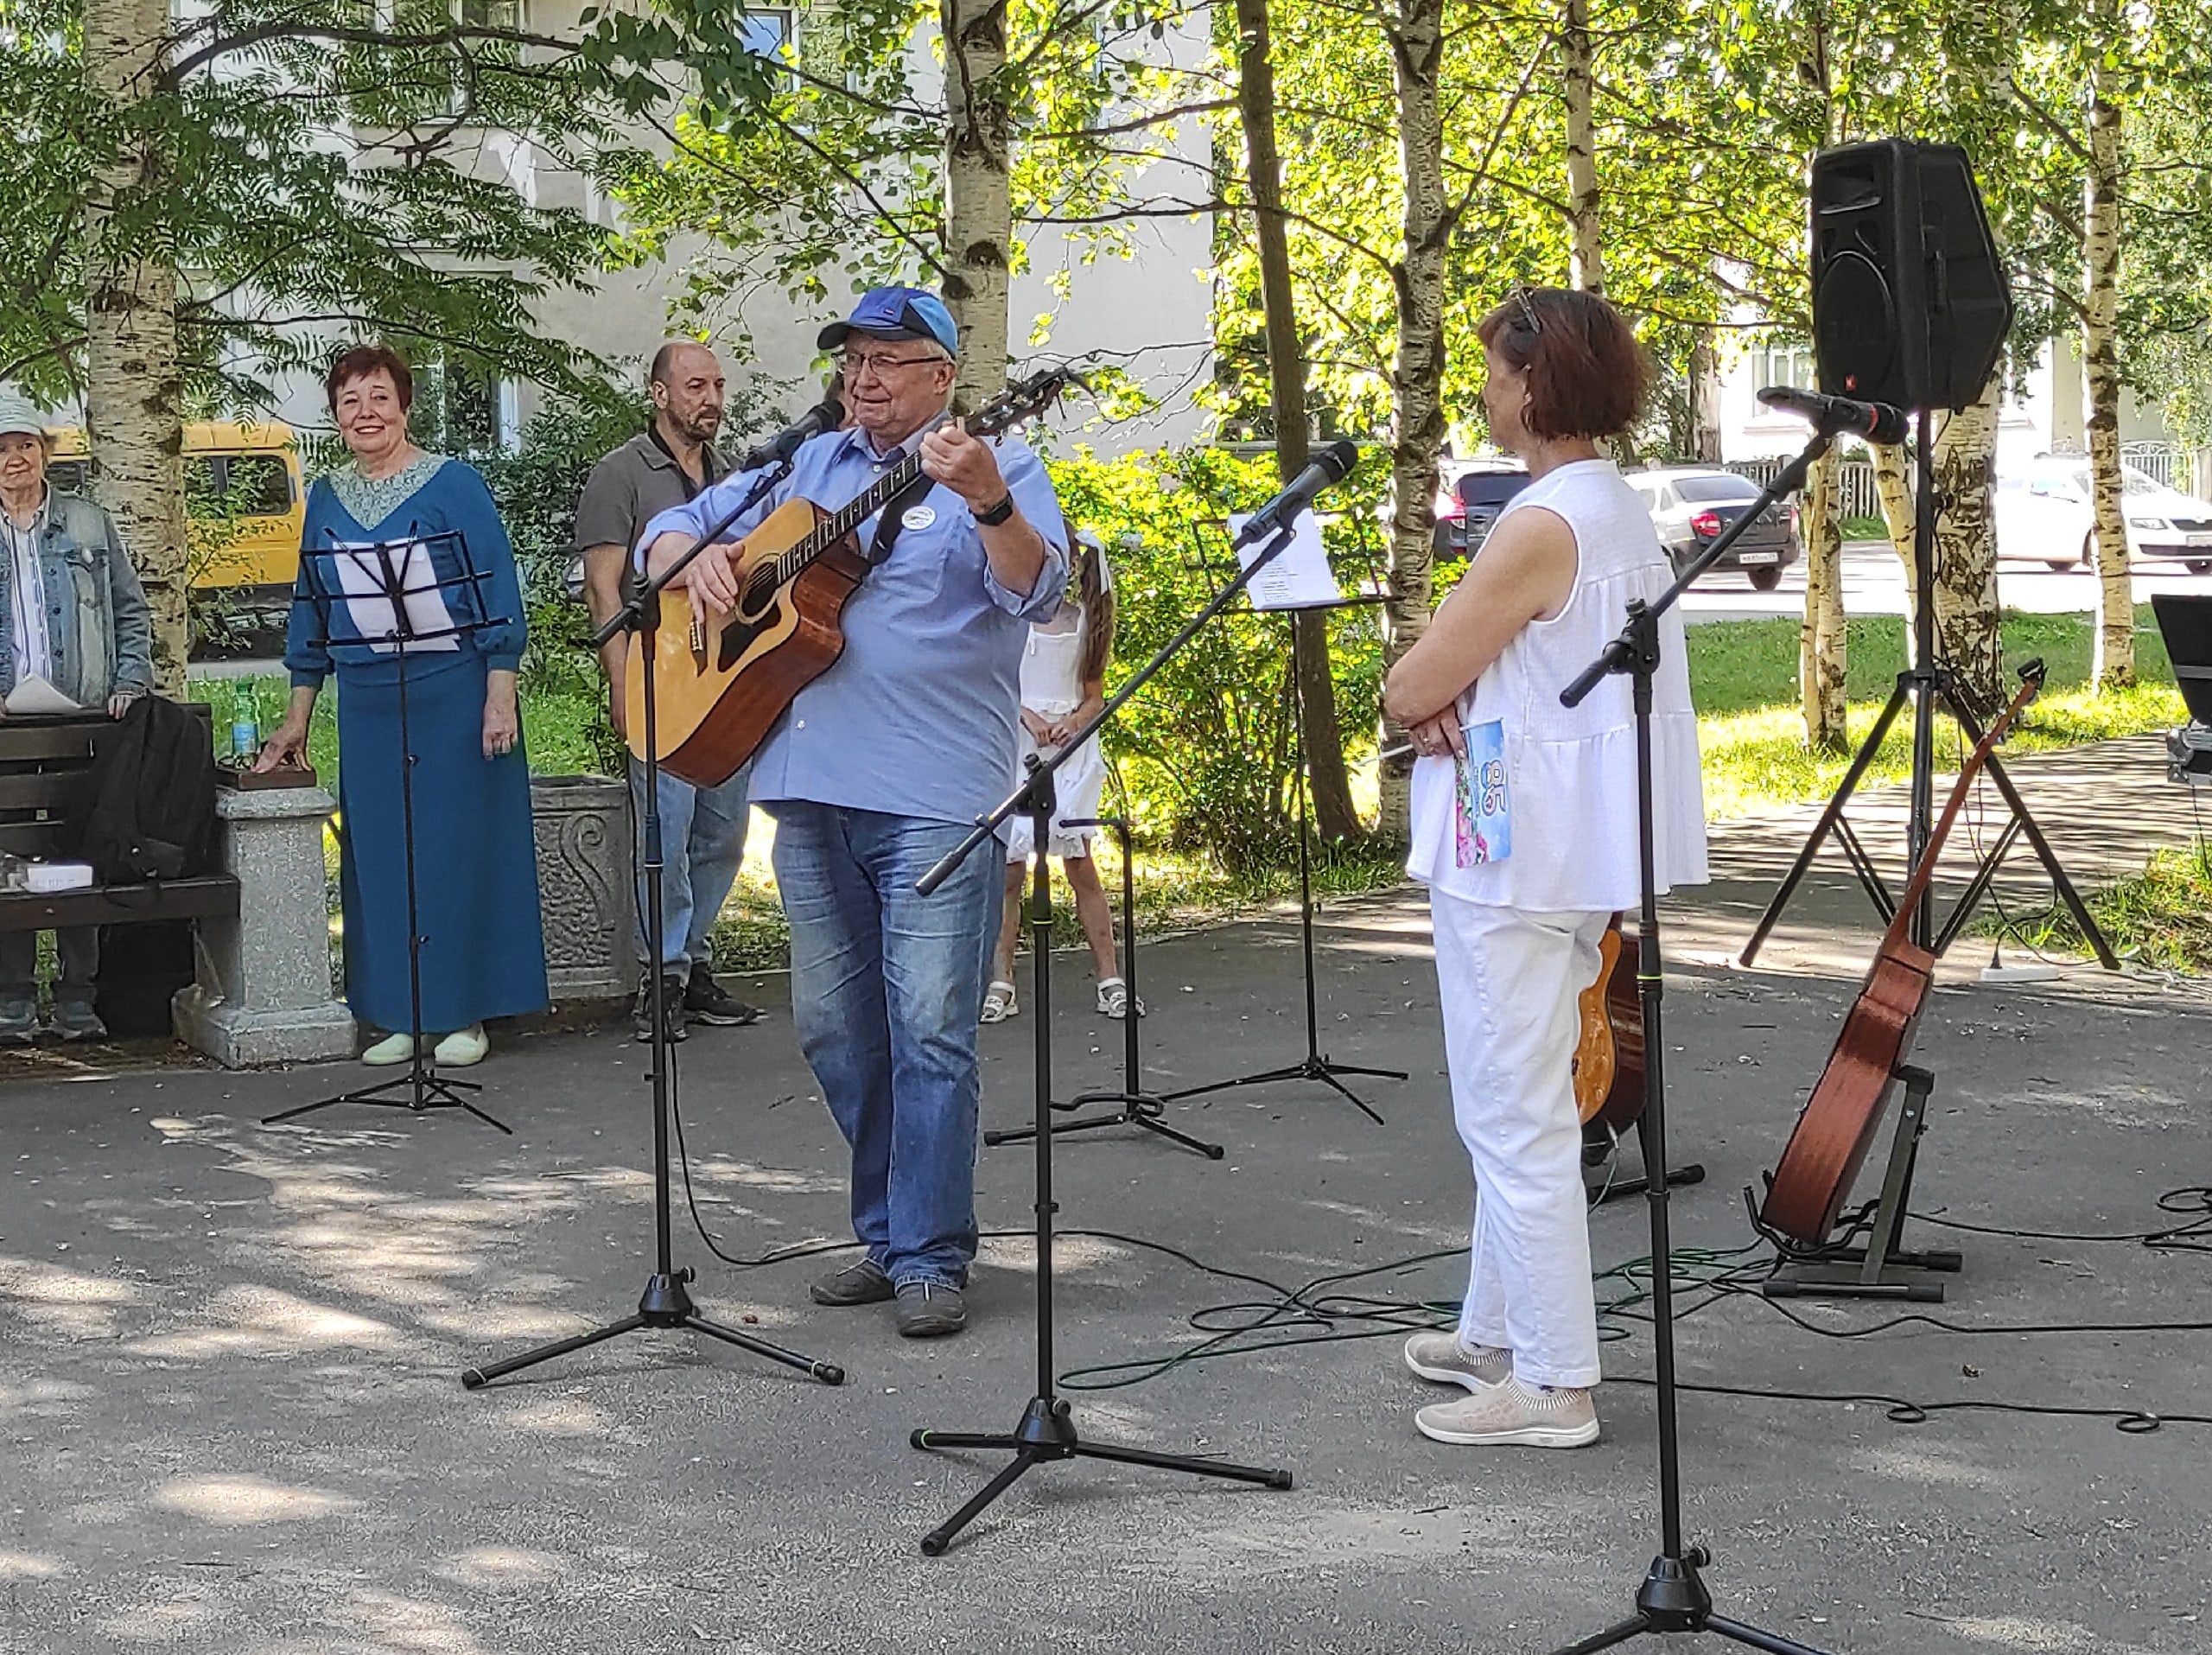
98, 622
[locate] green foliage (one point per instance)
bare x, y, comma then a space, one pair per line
1207, 748
2161, 917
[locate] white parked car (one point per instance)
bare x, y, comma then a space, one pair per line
2046, 516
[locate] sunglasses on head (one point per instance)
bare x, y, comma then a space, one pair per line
1530, 319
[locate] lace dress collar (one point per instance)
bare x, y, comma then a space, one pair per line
369, 500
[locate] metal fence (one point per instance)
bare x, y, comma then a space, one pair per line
2189, 470
1857, 495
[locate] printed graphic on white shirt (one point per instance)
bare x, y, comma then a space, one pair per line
1483, 806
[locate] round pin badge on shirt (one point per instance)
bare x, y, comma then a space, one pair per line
918, 517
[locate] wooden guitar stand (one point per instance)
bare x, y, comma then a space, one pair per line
1880, 1269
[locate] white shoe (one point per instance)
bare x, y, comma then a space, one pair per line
1440, 1356
1000, 1003
462, 1047
1533, 1417
1113, 999
392, 1048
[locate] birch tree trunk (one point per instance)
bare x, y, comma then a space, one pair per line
1705, 400
1968, 635
1255, 97
1417, 376
1586, 254
1893, 485
1821, 645
134, 399
978, 193
2116, 649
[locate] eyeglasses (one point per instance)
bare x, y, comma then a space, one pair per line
1534, 323
854, 364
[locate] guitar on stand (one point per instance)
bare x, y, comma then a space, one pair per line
1805, 1197
1608, 1065
723, 681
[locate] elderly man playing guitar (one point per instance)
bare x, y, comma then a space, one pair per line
882, 765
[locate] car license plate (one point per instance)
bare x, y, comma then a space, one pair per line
1758, 556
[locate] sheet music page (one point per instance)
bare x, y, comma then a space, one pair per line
1298, 576
360, 569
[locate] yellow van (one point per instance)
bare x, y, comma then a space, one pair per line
253, 469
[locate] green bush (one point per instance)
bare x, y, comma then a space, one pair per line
1206, 748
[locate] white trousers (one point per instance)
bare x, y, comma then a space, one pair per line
1509, 979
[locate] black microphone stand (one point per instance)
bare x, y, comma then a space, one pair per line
1317, 1065
665, 1302
426, 1089
1673, 1597
1046, 1432
1137, 1106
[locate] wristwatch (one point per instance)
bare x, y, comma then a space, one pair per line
997, 514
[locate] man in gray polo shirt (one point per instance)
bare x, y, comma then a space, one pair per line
703, 829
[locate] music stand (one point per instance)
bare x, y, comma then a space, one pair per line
428, 614
1316, 1065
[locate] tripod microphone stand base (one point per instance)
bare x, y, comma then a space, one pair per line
1137, 1109
665, 1303
1047, 1433
1317, 1067
429, 1090
1673, 1599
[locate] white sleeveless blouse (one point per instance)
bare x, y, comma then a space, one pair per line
1570, 780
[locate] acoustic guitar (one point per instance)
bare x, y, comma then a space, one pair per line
1609, 1050
1825, 1152
722, 681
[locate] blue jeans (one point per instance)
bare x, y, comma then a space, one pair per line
703, 841
887, 986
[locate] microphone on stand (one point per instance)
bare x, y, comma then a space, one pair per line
1329, 467
1877, 421
825, 416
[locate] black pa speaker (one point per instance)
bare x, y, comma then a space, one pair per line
1911, 305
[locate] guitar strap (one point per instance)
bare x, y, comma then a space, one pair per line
892, 519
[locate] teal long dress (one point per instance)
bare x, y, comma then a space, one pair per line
483, 953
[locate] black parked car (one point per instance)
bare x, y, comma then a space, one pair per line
1690, 506
1463, 517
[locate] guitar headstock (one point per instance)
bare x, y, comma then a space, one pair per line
1024, 399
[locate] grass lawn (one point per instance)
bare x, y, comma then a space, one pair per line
1743, 676
2161, 917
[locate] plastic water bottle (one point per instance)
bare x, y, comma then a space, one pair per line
245, 730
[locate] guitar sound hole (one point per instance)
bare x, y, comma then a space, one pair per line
760, 595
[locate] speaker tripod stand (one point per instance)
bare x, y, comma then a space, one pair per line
666, 1303
1925, 684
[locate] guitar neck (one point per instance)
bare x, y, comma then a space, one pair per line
1924, 873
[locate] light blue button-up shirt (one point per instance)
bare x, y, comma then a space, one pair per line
918, 716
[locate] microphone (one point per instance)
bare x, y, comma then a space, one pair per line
1330, 466
1878, 422
825, 416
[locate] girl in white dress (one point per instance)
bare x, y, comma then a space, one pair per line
1524, 830
1063, 687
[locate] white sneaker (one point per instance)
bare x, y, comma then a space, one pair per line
1513, 1414
462, 1047
1441, 1357
392, 1048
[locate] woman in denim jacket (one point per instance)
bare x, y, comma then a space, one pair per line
72, 613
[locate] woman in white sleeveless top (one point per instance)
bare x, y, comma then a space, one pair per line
1524, 829
1063, 687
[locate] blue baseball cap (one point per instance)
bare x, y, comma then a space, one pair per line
896, 312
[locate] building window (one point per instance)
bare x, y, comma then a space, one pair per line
488, 13
1783, 365
765, 33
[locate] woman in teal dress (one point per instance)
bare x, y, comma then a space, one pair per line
475, 860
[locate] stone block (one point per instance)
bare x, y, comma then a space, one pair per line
586, 889
264, 993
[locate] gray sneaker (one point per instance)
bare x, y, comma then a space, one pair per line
930, 1310
74, 1019
859, 1282
18, 1018
1441, 1357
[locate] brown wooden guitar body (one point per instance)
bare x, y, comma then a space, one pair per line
1817, 1170
723, 681
1609, 1051
1813, 1177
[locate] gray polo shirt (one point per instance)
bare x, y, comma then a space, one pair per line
630, 487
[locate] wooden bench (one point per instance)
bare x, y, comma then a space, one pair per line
42, 758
